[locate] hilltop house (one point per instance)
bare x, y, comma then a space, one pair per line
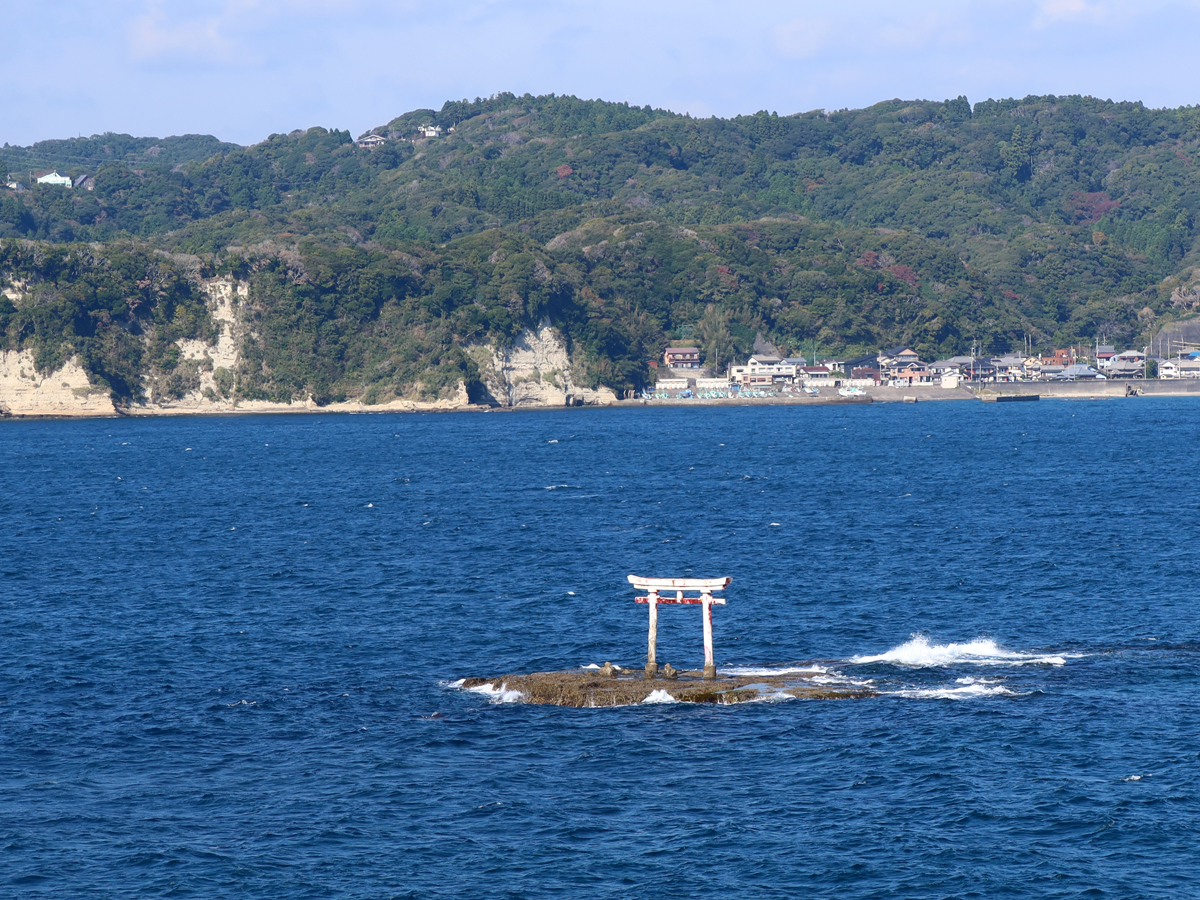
371, 141
430, 131
54, 178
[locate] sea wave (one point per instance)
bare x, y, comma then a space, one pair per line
961, 692
920, 653
498, 694
659, 696
766, 671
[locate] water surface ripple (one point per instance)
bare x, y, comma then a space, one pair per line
228, 645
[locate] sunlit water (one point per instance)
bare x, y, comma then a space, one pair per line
230, 644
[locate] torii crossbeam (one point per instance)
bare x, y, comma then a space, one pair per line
658, 590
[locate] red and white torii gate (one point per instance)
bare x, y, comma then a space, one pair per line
658, 591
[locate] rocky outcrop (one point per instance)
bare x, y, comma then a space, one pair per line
535, 370
66, 392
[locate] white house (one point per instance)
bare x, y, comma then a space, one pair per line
430, 131
371, 141
761, 369
54, 178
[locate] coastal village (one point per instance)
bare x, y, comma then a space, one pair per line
770, 374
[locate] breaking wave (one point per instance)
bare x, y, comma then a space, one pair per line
920, 653
498, 694
966, 689
659, 696
786, 670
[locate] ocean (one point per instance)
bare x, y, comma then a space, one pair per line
231, 648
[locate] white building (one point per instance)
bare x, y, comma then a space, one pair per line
54, 178
763, 370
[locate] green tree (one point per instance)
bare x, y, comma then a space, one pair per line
715, 338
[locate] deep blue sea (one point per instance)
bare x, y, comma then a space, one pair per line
229, 648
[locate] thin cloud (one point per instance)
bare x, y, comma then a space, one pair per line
155, 37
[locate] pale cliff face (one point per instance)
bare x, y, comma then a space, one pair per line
23, 392
533, 372
536, 371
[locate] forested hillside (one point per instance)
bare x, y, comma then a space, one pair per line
1055, 219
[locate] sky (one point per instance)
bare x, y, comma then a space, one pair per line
244, 69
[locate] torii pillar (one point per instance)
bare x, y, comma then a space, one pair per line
656, 588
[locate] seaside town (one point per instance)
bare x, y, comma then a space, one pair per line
769, 374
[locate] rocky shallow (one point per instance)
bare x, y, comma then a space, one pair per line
610, 686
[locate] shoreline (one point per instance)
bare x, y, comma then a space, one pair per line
1106, 390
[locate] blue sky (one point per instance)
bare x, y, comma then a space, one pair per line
242, 69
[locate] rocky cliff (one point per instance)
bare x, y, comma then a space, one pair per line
533, 372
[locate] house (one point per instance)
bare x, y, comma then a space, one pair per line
1104, 355
909, 372
682, 357
814, 372
902, 364
371, 141
87, 182
899, 356
762, 369
1010, 367
15, 186
1078, 372
1127, 364
430, 131
1123, 368
860, 362
955, 365
54, 178
797, 361
980, 370
1063, 357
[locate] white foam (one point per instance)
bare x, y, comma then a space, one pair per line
965, 692
786, 670
919, 653
659, 696
842, 680
498, 694
773, 697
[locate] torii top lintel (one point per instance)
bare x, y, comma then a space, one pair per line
680, 584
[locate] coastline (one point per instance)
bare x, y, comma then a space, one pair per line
91, 407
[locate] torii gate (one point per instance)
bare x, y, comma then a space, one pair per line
654, 587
